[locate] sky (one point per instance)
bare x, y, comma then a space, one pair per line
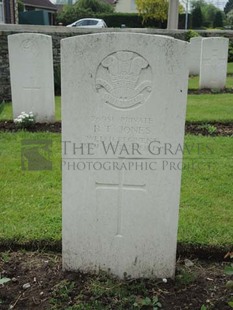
218, 3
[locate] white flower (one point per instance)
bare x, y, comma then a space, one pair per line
165, 280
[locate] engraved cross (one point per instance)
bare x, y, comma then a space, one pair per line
120, 186
32, 89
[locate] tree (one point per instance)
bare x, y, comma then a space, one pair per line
218, 20
82, 9
208, 12
230, 17
197, 18
229, 6
96, 6
153, 9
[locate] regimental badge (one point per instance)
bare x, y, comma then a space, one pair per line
124, 80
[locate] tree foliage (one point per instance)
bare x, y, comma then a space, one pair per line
230, 17
96, 6
20, 5
229, 6
218, 20
208, 13
153, 9
82, 9
197, 18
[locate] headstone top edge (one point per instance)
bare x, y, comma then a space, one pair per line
213, 38
28, 34
196, 38
122, 34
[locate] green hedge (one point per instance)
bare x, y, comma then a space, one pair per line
130, 20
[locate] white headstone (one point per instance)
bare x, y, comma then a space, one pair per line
123, 100
31, 72
213, 69
195, 56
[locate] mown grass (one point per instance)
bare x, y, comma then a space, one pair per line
217, 107
7, 113
210, 108
31, 200
194, 82
230, 68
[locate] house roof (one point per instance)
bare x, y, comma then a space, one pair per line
44, 4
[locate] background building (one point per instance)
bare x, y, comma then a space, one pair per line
8, 12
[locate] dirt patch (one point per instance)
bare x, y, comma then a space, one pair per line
197, 128
205, 91
38, 127
209, 129
38, 282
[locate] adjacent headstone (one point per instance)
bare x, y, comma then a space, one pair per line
213, 69
123, 116
195, 56
31, 72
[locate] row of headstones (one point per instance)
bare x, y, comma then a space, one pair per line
208, 59
31, 71
120, 200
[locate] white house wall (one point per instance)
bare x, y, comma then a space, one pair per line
126, 6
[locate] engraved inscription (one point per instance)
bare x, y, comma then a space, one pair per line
120, 186
124, 80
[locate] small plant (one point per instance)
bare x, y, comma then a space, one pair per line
191, 34
4, 280
211, 129
25, 120
203, 307
61, 292
185, 277
229, 270
154, 302
5, 257
215, 90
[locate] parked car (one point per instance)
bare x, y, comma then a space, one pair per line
89, 23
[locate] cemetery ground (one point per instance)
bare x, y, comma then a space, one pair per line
30, 225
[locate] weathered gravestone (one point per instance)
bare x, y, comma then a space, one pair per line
31, 72
123, 116
195, 56
213, 68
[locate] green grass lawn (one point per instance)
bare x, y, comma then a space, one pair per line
6, 114
230, 68
194, 82
212, 107
31, 200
